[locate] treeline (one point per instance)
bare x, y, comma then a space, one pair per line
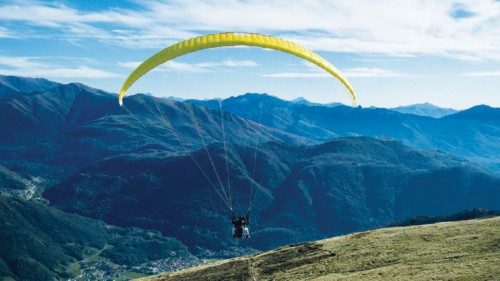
465, 215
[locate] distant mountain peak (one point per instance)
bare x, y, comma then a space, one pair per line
478, 112
79, 88
14, 86
481, 107
26, 84
300, 99
425, 109
253, 97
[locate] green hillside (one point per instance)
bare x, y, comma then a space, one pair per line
467, 250
38, 242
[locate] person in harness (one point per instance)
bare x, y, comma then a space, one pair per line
240, 227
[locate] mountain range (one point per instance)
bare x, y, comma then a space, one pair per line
302, 193
310, 171
54, 132
473, 133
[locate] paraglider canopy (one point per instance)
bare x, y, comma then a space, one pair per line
215, 41
232, 39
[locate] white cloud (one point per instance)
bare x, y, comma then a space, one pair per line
20, 62
5, 33
352, 72
493, 73
372, 72
415, 27
297, 75
239, 63
183, 67
201, 67
129, 64
35, 67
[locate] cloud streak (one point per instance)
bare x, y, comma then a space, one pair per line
297, 75
34, 67
201, 67
350, 73
5, 33
373, 72
493, 73
469, 31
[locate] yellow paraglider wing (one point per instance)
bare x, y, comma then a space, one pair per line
231, 39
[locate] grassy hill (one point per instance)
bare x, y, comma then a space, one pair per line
467, 250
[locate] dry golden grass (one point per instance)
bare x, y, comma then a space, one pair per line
467, 250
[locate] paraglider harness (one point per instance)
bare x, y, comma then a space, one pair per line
240, 227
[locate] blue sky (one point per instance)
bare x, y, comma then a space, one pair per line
393, 52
